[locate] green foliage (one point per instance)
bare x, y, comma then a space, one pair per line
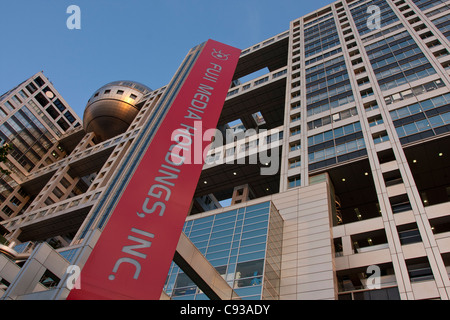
4, 150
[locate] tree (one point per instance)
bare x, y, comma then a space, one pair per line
4, 156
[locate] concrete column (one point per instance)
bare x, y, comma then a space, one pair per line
27, 280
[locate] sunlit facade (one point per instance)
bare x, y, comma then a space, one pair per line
33, 117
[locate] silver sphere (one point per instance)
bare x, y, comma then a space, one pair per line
111, 109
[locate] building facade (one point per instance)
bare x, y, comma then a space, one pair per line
34, 117
328, 177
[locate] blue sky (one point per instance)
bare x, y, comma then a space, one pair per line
139, 40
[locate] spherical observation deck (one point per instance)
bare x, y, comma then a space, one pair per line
111, 109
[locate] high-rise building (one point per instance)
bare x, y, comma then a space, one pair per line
328, 178
34, 118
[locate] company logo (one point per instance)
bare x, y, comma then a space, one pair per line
219, 55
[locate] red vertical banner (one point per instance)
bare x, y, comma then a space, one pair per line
132, 257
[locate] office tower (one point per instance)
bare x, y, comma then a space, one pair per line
329, 178
34, 117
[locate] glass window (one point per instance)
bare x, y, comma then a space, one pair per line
61, 107
217, 255
254, 226
294, 181
249, 273
400, 132
251, 256
225, 219
200, 235
446, 117
293, 163
237, 249
351, 146
254, 240
256, 213
329, 153
338, 132
436, 121
215, 241
220, 247
31, 87
328, 135
410, 128
17, 100
23, 94
9, 106
247, 290
250, 234
422, 125
221, 234
380, 137
252, 248
39, 81
340, 148
69, 117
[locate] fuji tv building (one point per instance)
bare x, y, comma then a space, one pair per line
325, 177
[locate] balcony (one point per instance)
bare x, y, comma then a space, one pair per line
81, 163
264, 95
62, 217
271, 53
372, 248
